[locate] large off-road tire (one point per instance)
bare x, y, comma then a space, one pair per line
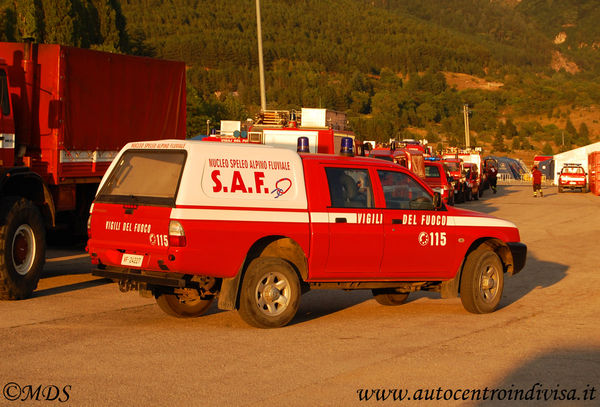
389, 296
482, 281
560, 190
185, 303
270, 293
22, 248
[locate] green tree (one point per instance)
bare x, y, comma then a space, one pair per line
570, 129
498, 144
29, 19
584, 135
510, 130
111, 26
516, 144
59, 22
547, 150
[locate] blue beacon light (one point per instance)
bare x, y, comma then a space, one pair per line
302, 146
347, 146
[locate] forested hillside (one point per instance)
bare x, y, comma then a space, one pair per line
395, 66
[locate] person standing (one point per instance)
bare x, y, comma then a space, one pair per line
536, 176
492, 177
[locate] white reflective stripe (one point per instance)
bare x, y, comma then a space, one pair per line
479, 221
86, 156
329, 217
319, 217
350, 217
7, 140
239, 215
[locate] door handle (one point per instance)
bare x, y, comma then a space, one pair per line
396, 221
341, 220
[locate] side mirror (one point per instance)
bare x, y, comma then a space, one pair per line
437, 200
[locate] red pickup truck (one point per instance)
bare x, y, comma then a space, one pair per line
257, 226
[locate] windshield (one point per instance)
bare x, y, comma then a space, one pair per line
147, 176
452, 166
572, 170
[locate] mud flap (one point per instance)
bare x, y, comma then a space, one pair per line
229, 292
449, 289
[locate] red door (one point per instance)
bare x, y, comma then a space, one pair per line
418, 242
355, 225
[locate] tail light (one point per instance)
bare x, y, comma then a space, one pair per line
176, 234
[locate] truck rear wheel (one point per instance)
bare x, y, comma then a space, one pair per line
270, 293
389, 296
184, 303
22, 248
482, 281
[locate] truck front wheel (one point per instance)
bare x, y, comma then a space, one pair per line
482, 281
22, 248
184, 303
270, 293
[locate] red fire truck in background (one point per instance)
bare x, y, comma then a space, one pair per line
466, 188
323, 128
65, 113
411, 158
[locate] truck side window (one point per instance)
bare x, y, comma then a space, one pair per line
4, 102
401, 191
349, 187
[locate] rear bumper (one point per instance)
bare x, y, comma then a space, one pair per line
573, 185
519, 255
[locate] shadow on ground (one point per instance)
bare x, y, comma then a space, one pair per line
567, 376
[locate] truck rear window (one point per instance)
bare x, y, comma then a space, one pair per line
431, 171
144, 176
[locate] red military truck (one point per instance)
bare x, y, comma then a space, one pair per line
65, 113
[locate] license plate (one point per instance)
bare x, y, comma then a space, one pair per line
134, 260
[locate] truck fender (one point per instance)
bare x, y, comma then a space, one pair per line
49, 210
27, 184
451, 288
